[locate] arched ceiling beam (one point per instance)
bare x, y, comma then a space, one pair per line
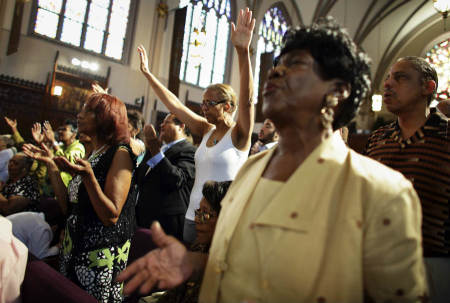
388, 56
382, 13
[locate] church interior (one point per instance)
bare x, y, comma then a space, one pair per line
52, 53
57, 66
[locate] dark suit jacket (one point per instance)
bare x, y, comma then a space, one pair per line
165, 190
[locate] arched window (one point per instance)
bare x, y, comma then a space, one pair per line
206, 41
99, 26
439, 57
271, 30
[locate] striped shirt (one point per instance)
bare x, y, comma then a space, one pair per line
424, 159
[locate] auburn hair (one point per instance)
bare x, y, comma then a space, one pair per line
111, 117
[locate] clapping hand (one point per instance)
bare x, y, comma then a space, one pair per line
80, 167
242, 32
166, 266
43, 153
152, 143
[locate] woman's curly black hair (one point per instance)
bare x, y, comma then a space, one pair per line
337, 56
214, 192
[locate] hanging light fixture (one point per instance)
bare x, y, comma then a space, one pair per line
443, 8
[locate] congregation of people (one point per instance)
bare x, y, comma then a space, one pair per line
297, 216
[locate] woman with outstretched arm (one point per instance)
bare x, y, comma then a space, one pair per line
225, 143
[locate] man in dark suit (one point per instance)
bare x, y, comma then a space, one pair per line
165, 177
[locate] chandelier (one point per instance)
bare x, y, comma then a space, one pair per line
443, 8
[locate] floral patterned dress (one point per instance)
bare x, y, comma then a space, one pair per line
93, 254
26, 187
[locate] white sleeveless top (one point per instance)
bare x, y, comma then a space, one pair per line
220, 162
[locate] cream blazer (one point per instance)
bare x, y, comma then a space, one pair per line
343, 226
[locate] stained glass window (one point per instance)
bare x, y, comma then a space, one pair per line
271, 30
99, 26
206, 41
439, 57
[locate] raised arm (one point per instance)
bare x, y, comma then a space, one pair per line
241, 36
197, 124
15, 133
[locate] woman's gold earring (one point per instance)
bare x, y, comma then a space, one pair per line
327, 113
331, 100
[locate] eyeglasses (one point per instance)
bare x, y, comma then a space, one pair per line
210, 103
203, 216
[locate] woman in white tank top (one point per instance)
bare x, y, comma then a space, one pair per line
225, 144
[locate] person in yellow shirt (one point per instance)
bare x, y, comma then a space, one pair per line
309, 220
71, 149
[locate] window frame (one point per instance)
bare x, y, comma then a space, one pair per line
281, 7
134, 7
229, 53
428, 55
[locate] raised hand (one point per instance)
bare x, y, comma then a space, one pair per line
48, 132
98, 89
36, 132
242, 32
81, 167
41, 154
151, 141
150, 132
166, 266
144, 59
11, 123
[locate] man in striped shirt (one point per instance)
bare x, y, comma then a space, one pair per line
417, 145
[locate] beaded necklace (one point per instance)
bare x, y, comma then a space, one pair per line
97, 152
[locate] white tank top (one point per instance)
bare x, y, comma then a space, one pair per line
220, 162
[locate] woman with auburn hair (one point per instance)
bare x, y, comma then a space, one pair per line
225, 143
99, 200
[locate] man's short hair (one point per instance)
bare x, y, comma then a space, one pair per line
427, 72
177, 121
